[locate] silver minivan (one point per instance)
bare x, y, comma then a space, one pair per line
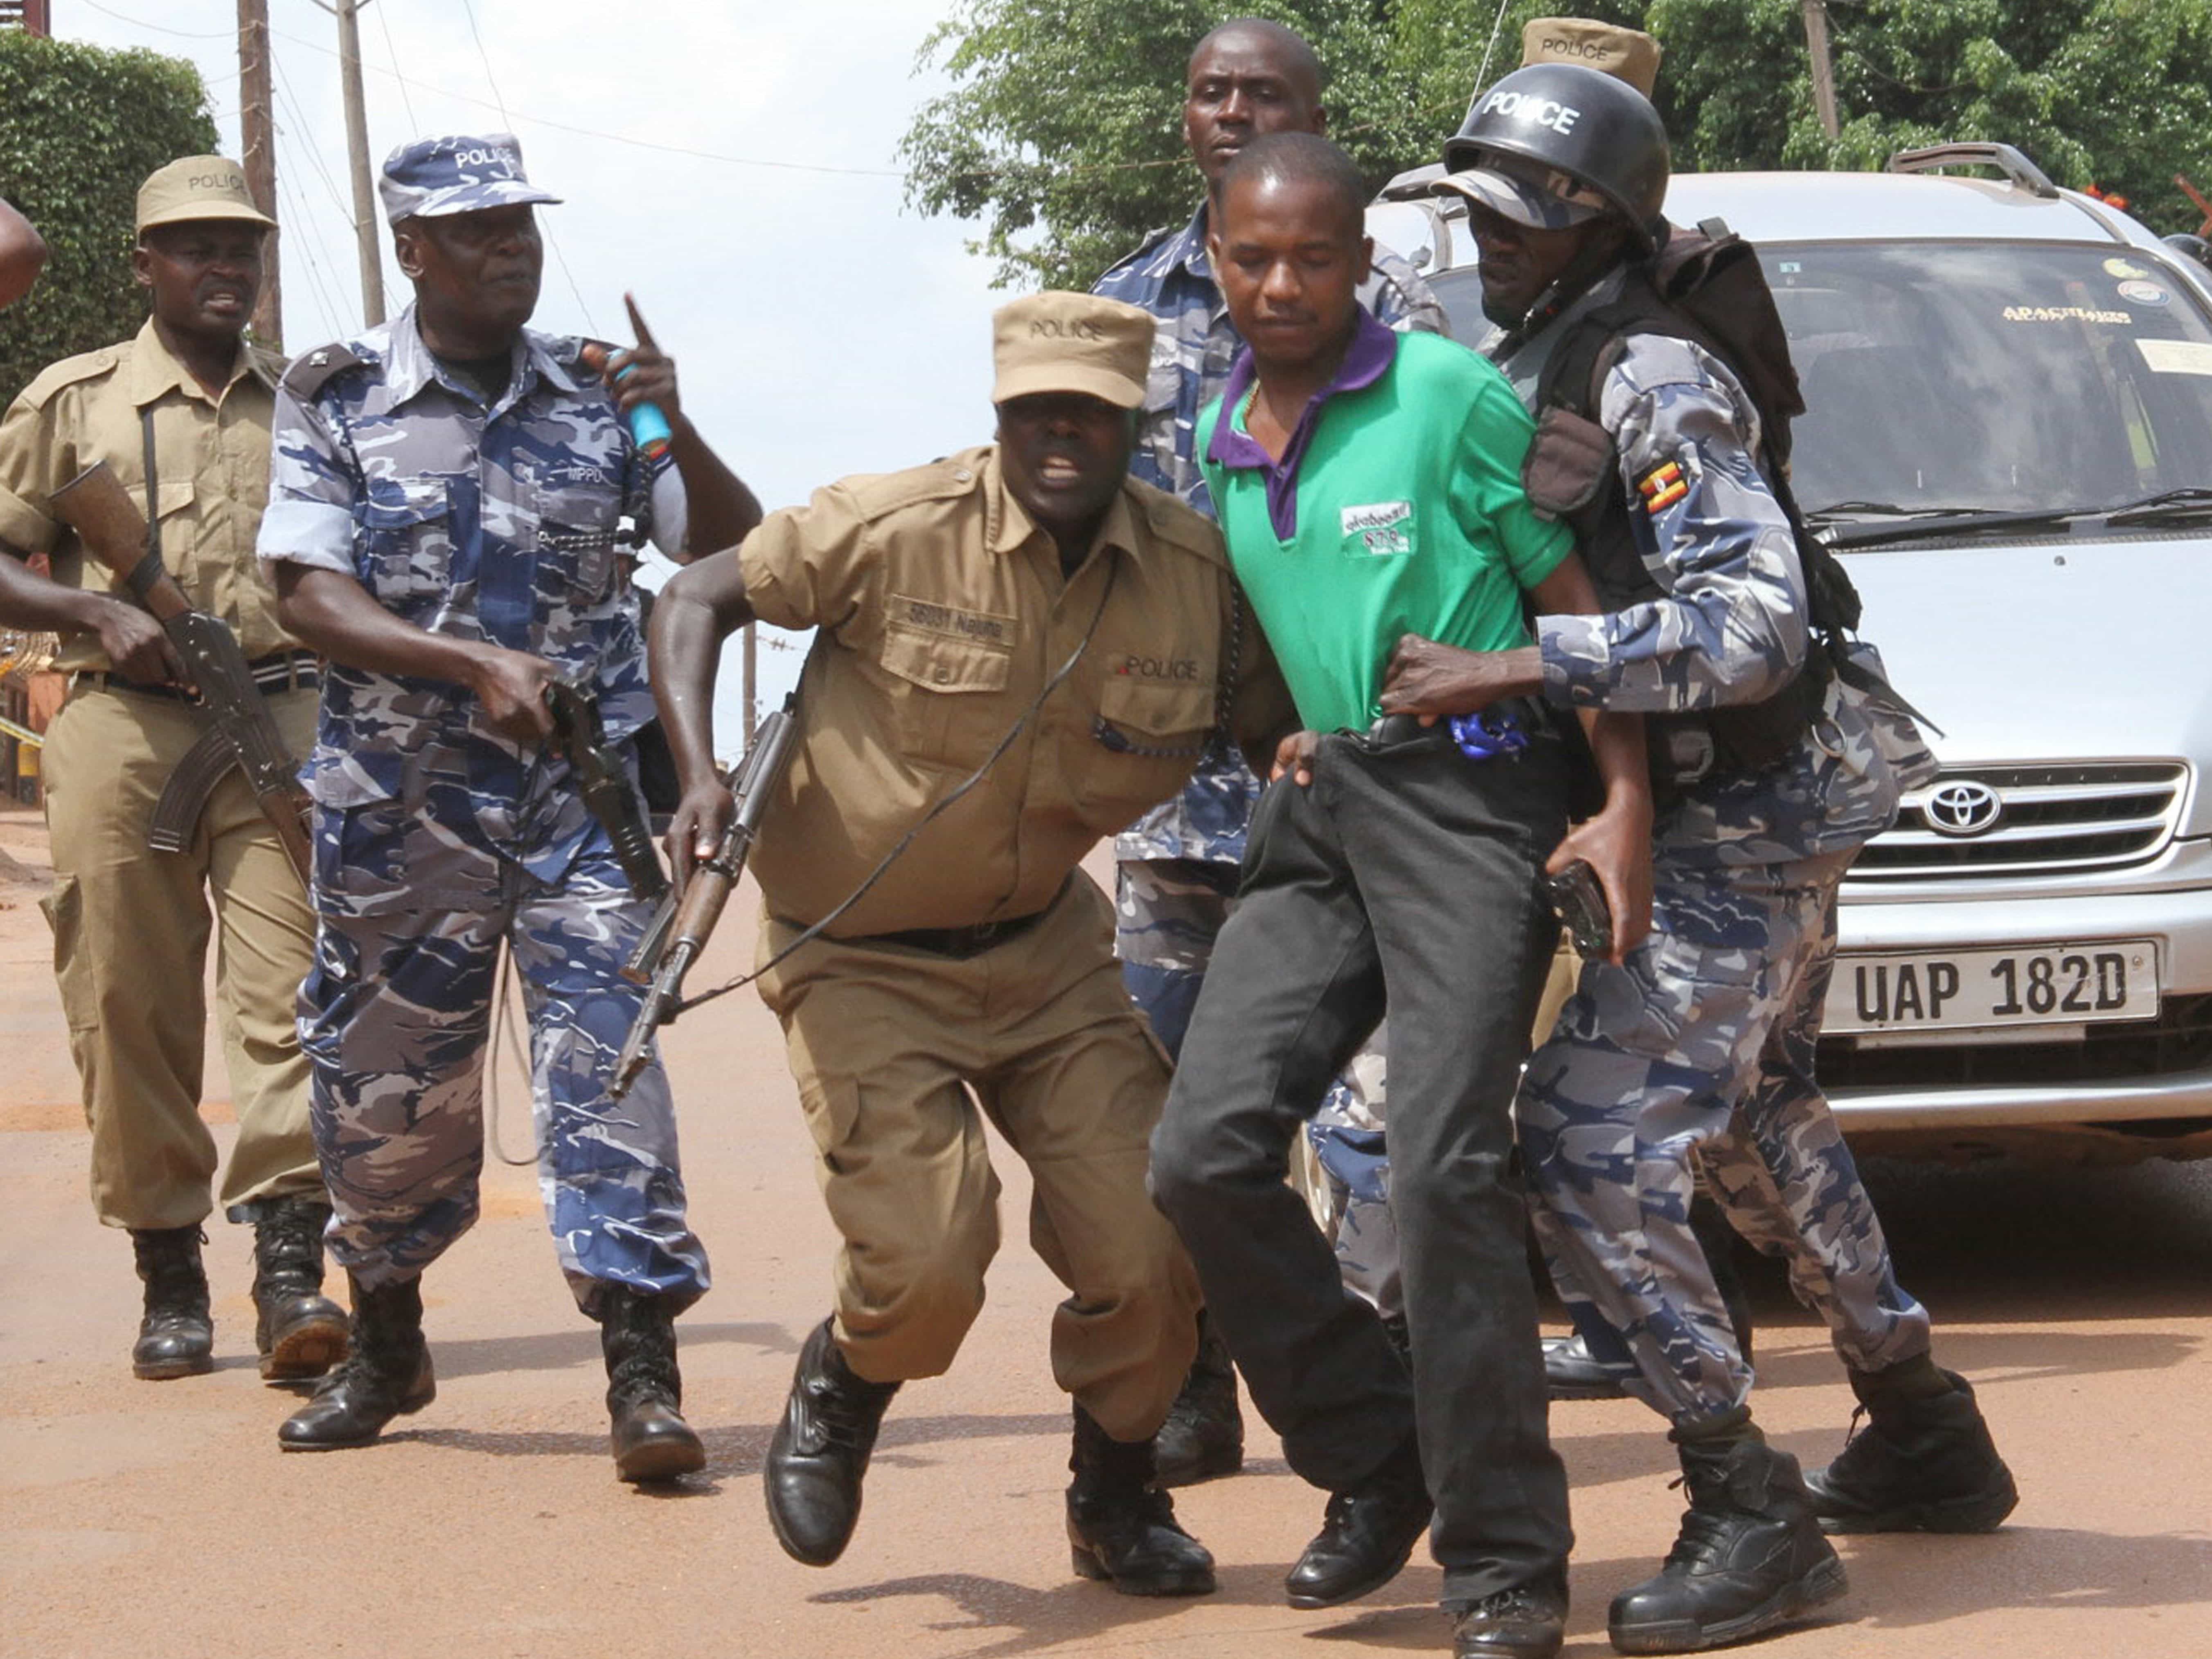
2009, 438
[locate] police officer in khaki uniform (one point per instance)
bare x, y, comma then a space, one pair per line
1020, 650
130, 924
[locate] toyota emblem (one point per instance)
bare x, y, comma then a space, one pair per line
1964, 808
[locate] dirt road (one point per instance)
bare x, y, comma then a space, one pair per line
141, 1518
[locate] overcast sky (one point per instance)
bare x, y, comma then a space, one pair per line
819, 327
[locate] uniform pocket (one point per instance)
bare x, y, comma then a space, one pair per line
1144, 743
64, 908
406, 538
576, 539
947, 693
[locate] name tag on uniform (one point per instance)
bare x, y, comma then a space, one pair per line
1380, 530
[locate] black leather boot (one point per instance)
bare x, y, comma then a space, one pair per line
1203, 1437
1925, 1462
1528, 1621
1121, 1528
1572, 1371
297, 1330
1366, 1535
820, 1451
386, 1373
1751, 1555
645, 1392
176, 1338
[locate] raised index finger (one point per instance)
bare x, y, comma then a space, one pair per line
637, 325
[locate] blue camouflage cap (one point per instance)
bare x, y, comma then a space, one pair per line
456, 174
1525, 191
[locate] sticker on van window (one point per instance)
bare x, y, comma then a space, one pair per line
1381, 529
2144, 293
2176, 356
2117, 266
2063, 314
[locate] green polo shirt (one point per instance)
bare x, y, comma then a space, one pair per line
1396, 508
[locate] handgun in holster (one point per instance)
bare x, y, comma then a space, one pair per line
687, 917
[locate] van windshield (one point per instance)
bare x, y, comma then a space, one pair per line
1972, 376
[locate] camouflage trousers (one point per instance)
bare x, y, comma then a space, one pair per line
1167, 914
1699, 1052
394, 1018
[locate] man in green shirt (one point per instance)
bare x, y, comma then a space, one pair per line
1368, 485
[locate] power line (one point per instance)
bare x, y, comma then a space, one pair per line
330, 323
384, 22
469, 7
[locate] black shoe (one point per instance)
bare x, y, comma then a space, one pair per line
176, 1338
1528, 1621
1750, 1557
1572, 1371
1121, 1528
1203, 1437
1366, 1535
386, 1373
645, 1391
297, 1330
820, 1451
1925, 1462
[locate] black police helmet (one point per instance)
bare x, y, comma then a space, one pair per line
1597, 130
2191, 245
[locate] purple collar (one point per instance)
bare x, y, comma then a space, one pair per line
1374, 347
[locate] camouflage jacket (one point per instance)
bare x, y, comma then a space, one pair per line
499, 523
1171, 277
1730, 626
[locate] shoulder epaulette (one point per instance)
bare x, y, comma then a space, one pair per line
266, 366
311, 370
877, 496
1176, 523
85, 366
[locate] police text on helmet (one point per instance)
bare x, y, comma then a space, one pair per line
1541, 111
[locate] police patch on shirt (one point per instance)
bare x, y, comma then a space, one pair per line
1379, 530
1662, 487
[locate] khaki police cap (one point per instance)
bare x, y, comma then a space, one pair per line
1627, 54
1058, 342
198, 187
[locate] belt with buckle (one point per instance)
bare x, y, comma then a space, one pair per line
280, 670
956, 942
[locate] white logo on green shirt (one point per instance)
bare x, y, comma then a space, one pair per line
1380, 528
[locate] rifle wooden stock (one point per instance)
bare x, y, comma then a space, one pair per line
112, 531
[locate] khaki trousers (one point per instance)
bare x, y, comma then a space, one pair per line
894, 1050
130, 938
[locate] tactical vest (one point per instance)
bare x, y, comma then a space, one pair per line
1705, 286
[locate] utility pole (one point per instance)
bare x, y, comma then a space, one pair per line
1824, 70
751, 687
348, 13
257, 140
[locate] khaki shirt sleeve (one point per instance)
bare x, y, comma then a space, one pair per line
808, 567
33, 455
1260, 711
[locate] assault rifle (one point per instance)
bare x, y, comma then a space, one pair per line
605, 785
243, 733
687, 916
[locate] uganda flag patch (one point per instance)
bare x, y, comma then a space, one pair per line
1661, 487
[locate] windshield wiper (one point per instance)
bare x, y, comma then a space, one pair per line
2191, 503
1920, 524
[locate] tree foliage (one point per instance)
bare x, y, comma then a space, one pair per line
1060, 136
79, 127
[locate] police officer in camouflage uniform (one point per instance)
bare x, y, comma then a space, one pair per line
1701, 1046
444, 523
1176, 867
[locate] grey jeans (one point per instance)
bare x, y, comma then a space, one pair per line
1404, 875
